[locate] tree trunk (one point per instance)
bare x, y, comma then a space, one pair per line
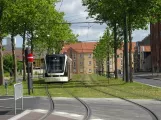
1, 64
14, 57
102, 68
108, 65
130, 52
123, 75
115, 50
23, 55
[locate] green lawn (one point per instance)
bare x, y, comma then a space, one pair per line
76, 86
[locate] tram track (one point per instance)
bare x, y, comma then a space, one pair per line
156, 99
151, 113
88, 114
52, 104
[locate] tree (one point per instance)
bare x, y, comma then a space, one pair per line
104, 49
11, 22
54, 35
117, 11
2, 34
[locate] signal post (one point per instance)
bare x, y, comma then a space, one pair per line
29, 60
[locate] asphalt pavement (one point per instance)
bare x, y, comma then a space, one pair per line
148, 79
70, 109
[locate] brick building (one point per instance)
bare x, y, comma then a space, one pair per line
120, 56
142, 57
155, 42
83, 62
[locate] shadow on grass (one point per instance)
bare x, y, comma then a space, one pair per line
78, 84
40, 84
140, 95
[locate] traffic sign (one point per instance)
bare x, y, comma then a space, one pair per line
30, 57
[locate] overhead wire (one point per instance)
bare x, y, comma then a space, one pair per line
73, 23
73, 15
76, 19
61, 4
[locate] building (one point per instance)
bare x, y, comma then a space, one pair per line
155, 43
145, 58
142, 60
120, 56
82, 57
83, 61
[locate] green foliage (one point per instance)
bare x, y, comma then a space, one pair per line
8, 63
19, 66
54, 35
38, 18
104, 46
138, 12
6, 74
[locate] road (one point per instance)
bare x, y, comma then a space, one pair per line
102, 108
146, 80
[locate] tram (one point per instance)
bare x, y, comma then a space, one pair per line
58, 68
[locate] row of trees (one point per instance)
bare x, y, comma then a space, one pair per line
104, 50
37, 20
126, 15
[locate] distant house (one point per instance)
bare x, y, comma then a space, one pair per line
8, 49
82, 57
142, 59
18, 53
145, 58
120, 53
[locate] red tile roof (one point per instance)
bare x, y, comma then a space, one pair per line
81, 47
18, 53
133, 46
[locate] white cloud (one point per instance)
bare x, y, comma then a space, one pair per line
139, 35
75, 12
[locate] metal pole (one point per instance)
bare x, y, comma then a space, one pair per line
22, 103
126, 48
115, 49
22, 99
15, 106
28, 70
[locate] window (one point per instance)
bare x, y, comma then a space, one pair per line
74, 56
74, 70
81, 63
90, 56
81, 55
121, 55
121, 62
89, 70
89, 63
74, 64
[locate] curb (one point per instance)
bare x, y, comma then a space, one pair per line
149, 78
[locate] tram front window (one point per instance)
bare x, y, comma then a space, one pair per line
55, 63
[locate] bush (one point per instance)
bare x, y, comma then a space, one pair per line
6, 74
35, 73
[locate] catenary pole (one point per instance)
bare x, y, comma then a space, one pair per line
126, 46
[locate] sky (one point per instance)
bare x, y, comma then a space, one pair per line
75, 12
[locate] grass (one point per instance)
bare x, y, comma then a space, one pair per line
76, 86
